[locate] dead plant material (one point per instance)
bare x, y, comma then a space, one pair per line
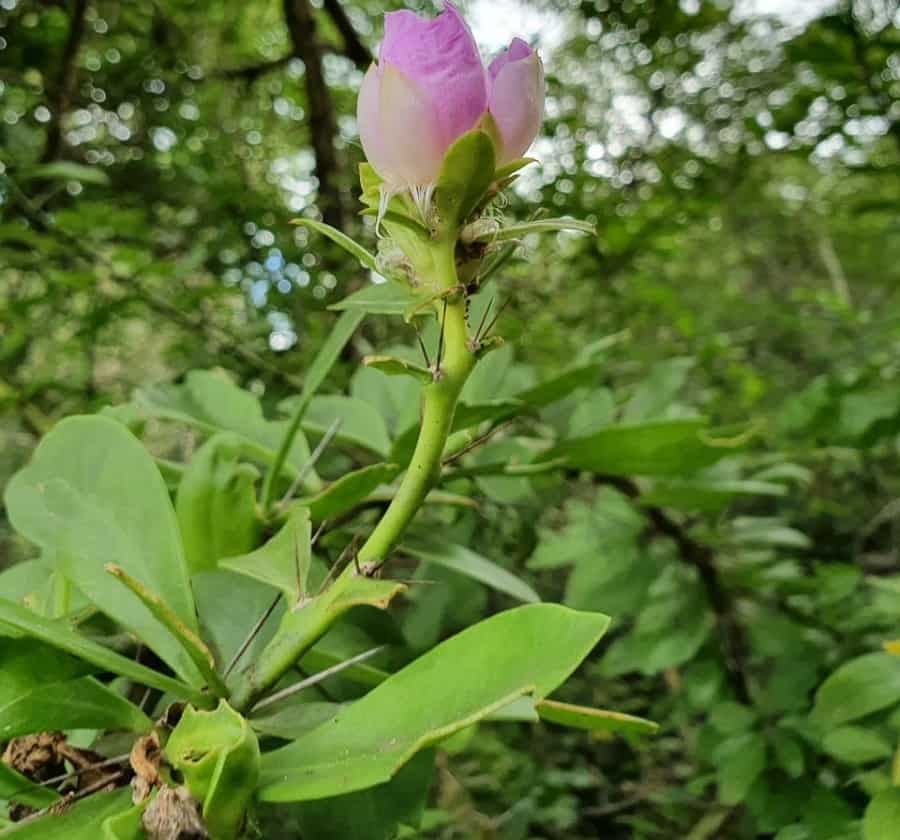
37, 757
173, 815
145, 758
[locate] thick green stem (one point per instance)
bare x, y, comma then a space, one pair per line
439, 401
438, 407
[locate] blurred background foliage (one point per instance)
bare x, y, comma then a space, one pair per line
741, 162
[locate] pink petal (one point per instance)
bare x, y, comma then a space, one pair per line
516, 99
397, 128
516, 51
368, 120
440, 56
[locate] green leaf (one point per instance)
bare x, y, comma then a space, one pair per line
466, 175
361, 424
599, 534
42, 688
860, 411
595, 410
561, 386
85, 820
216, 503
707, 495
527, 650
230, 606
396, 399
387, 298
324, 361
730, 717
349, 490
762, 530
855, 745
292, 717
739, 762
366, 258
42, 588
392, 366
788, 753
323, 656
14, 787
329, 353
283, 561
593, 720
190, 641
668, 632
882, 816
858, 688
210, 402
129, 825
656, 393
218, 755
65, 170
665, 447
24, 580
61, 636
521, 710
91, 496
521, 229
467, 562
374, 814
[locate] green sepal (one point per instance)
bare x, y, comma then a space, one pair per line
508, 170
393, 217
392, 366
218, 755
467, 173
370, 183
489, 126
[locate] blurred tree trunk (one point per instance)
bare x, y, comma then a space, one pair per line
301, 25
66, 82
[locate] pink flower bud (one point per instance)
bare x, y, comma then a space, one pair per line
428, 88
516, 98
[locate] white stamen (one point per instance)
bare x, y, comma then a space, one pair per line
385, 194
422, 196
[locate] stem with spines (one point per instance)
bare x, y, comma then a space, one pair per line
439, 401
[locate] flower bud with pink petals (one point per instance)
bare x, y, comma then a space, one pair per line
516, 98
428, 89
